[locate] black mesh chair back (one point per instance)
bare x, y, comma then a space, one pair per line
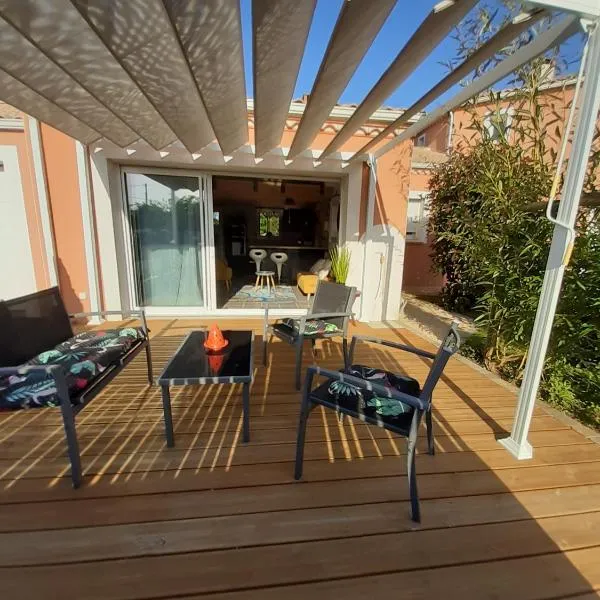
333, 298
32, 324
448, 347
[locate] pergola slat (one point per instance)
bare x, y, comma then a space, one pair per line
280, 29
24, 62
550, 38
21, 96
140, 35
211, 37
351, 38
430, 33
61, 33
482, 54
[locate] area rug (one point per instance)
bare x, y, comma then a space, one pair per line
280, 293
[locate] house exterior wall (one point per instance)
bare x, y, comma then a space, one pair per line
16, 139
377, 246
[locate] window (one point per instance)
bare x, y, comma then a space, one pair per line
497, 124
269, 221
417, 217
421, 141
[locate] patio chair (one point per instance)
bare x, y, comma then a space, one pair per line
393, 402
328, 318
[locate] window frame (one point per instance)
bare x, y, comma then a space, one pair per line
491, 128
419, 235
269, 213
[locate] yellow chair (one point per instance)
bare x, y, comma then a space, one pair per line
223, 272
307, 283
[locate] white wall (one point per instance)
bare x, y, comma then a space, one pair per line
16, 262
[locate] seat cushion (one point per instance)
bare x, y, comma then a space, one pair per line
313, 327
83, 358
366, 404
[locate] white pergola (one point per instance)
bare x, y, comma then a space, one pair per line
167, 77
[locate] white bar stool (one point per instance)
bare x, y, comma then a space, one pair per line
279, 258
257, 255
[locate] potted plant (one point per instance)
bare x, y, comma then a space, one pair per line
340, 263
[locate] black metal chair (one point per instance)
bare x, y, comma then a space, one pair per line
379, 398
328, 318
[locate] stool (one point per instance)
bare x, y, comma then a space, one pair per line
257, 256
279, 258
265, 278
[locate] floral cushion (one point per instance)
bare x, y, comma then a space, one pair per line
83, 358
369, 403
313, 327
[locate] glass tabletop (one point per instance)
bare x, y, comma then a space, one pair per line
193, 362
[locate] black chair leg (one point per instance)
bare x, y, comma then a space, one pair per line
299, 345
304, 412
72, 445
415, 511
345, 351
430, 441
149, 364
265, 343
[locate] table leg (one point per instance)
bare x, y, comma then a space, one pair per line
246, 407
256, 283
166, 400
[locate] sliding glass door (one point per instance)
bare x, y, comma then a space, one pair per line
167, 216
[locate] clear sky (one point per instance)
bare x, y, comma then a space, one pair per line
398, 28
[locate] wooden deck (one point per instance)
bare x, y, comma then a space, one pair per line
216, 518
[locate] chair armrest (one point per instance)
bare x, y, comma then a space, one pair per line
397, 345
379, 389
328, 315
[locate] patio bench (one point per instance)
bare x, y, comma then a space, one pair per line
44, 364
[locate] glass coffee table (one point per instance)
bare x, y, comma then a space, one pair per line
192, 364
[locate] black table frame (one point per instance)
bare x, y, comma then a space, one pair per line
165, 384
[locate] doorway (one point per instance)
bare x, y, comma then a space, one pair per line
170, 253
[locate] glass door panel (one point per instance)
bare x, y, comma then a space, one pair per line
166, 218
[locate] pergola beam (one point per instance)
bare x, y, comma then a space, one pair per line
17, 94
496, 43
57, 29
280, 30
211, 38
26, 63
350, 40
140, 36
430, 33
565, 29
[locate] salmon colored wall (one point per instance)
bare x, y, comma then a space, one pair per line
393, 179
436, 136
419, 278
20, 139
63, 194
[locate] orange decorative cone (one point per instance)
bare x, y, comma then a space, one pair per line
215, 362
215, 340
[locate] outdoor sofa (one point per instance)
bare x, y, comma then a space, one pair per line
44, 364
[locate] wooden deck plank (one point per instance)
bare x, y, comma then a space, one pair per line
216, 457
549, 576
263, 529
154, 577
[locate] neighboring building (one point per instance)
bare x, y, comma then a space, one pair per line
452, 134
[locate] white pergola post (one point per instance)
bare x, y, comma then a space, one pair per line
560, 251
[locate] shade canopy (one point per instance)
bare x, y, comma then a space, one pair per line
169, 74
